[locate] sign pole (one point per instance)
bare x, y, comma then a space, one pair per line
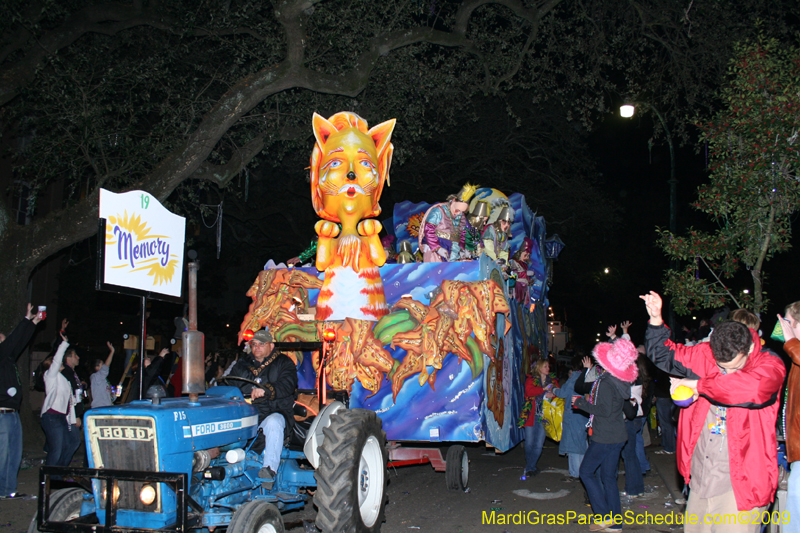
142, 346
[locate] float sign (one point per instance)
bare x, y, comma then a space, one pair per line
140, 246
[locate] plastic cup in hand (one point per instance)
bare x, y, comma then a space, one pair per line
777, 332
42, 312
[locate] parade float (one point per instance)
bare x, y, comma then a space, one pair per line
409, 352
437, 350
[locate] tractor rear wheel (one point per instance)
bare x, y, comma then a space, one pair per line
257, 517
351, 477
65, 504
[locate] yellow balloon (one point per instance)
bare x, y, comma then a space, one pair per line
683, 395
682, 392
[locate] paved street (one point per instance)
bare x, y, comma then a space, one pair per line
419, 498
420, 502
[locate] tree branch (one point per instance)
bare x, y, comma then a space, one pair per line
727, 291
221, 175
108, 19
27, 245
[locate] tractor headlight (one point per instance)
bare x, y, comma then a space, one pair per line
147, 495
114, 494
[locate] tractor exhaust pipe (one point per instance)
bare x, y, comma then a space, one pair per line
194, 382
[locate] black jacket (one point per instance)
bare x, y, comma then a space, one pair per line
75, 382
10, 350
278, 376
150, 378
608, 424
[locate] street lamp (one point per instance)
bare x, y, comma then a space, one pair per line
626, 111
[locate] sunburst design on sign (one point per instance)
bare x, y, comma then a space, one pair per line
134, 225
161, 274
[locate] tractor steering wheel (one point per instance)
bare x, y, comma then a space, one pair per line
250, 381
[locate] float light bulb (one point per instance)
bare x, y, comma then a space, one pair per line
247, 335
329, 334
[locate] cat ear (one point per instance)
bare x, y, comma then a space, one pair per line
322, 129
382, 134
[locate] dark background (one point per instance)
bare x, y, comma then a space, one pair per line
633, 172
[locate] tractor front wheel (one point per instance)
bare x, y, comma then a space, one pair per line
65, 504
257, 517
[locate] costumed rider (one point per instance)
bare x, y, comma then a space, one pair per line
497, 236
476, 221
444, 227
519, 265
277, 374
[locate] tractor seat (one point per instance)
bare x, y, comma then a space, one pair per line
297, 439
300, 410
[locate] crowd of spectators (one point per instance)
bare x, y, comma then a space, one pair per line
724, 439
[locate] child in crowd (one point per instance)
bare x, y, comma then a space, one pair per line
538, 386
573, 436
102, 393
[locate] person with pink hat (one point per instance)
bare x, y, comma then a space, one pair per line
608, 404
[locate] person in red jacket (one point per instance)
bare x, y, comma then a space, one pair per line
727, 443
538, 387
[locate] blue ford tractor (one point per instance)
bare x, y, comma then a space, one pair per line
189, 464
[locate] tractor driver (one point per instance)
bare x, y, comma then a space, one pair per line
277, 374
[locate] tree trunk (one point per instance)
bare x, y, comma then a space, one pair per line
758, 288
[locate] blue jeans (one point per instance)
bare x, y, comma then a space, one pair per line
534, 442
575, 460
793, 500
599, 476
669, 433
640, 453
273, 426
10, 452
634, 481
63, 439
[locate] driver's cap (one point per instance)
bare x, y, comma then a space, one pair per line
263, 336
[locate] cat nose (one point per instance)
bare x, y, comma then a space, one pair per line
351, 175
